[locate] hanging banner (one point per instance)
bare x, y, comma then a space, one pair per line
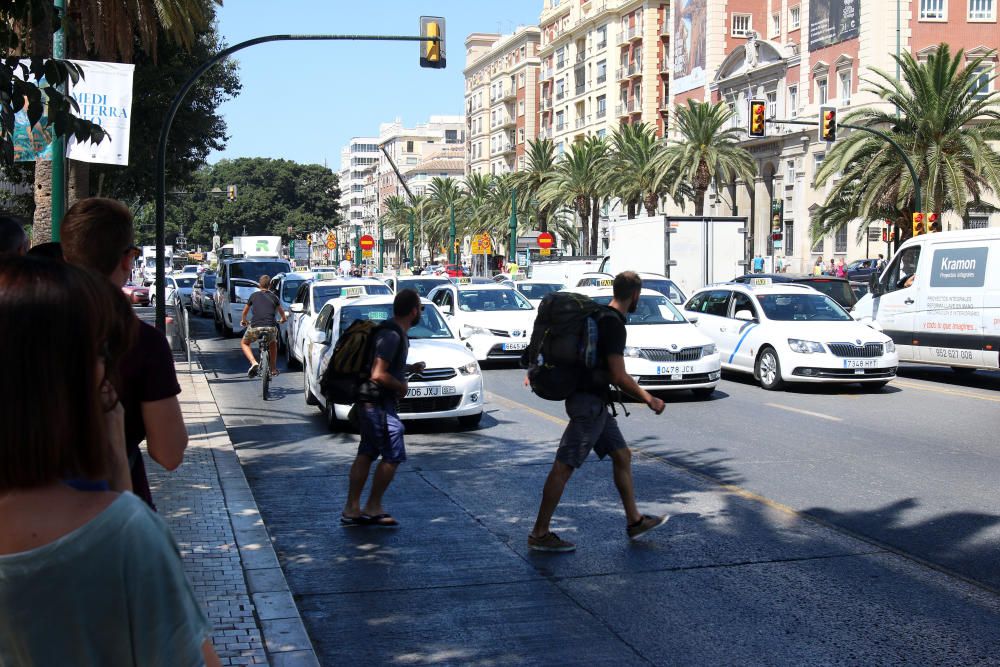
690, 44
104, 95
832, 22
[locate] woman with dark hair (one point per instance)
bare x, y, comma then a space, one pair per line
86, 577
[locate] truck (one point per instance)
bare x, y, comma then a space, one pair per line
691, 251
564, 270
149, 262
257, 246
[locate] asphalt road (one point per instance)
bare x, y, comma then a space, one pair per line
738, 575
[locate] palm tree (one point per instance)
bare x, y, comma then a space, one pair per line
444, 195
707, 149
529, 182
946, 124
633, 149
576, 182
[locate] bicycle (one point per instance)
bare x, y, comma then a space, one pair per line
264, 343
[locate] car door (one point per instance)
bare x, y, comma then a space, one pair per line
297, 319
391, 282
895, 308
713, 319
737, 331
314, 351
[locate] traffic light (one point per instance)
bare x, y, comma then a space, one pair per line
758, 109
885, 235
918, 224
776, 236
932, 223
231, 193
828, 124
431, 49
309, 239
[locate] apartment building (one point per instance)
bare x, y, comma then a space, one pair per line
604, 63
409, 146
798, 55
361, 152
501, 99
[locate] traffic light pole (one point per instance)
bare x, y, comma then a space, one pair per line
512, 253
168, 120
452, 251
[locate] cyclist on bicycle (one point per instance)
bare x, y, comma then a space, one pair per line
264, 304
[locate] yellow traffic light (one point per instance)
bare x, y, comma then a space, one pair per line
828, 123
231, 193
432, 42
918, 224
758, 109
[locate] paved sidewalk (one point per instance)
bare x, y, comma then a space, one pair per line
226, 549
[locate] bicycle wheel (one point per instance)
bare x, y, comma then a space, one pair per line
265, 370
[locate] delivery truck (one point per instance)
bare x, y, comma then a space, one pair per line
691, 251
256, 246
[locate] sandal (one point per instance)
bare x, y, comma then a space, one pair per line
383, 521
360, 520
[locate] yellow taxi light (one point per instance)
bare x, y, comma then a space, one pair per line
606, 282
352, 292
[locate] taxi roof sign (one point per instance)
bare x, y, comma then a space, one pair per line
760, 282
463, 281
327, 275
606, 282
352, 292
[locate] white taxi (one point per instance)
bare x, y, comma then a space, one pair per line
494, 321
311, 298
786, 332
451, 385
535, 290
664, 350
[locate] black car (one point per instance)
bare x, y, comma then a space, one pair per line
838, 289
860, 270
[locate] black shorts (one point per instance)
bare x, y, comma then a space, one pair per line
591, 427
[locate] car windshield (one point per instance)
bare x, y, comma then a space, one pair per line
289, 288
423, 286
802, 308
537, 290
838, 290
432, 325
652, 309
323, 293
186, 282
492, 300
665, 287
254, 270
210, 281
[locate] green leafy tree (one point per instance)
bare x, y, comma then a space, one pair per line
948, 125
539, 167
705, 150
576, 182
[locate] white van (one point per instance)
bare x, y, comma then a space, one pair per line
939, 299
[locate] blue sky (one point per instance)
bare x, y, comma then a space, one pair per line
303, 101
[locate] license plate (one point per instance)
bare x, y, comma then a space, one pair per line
675, 372
425, 392
511, 347
860, 363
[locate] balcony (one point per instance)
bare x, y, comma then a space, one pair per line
602, 112
581, 122
580, 58
560, 94
547, 73
508, 147
621, 73
635, 70
601, 78
545, 133
509, 93
560, 64
546, 103
665, 67
580, 90
560, 127
629, 34
507, 121
665, 30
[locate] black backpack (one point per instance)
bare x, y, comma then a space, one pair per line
562, 354
346, 379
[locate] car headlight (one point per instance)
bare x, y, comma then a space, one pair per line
471, 368
890, 346
467, 331
805, 346
634, 352
708, 349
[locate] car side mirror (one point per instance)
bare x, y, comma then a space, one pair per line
318, 337
693, 319
298, 308
874, 286
744, 315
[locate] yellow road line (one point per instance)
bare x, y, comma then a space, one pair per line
818, 415
945, 391
514, 405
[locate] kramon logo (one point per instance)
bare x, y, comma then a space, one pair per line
959, 267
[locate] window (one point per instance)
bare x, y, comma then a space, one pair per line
742, 302
789, 172
637, 96
520, 80
520, 135
793, 101
981, 10
845, 87
817, 248
742, 25
821, 91
520, 108
902, 267
840, 240
451, 136
409, 146
788, 238
602, 106
793, 18
976, 222
981, 85
560, 89
776, 24
559, 120
710, 303
602, 36
602, 71
772, 104
933, 10
560, 57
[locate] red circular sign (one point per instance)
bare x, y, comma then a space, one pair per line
367, 242
545, 240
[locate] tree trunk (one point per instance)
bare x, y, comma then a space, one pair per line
543, 219
41, 229
649, 202
631, 210
702, 178
699, 201
595, 223
79, 182
583, 210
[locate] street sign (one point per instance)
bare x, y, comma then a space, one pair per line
366, 253
545, 251
300, 250
331, 244
367, 242
545, 241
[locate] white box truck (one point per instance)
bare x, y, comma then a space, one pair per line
257, 246
691, 251
149, 262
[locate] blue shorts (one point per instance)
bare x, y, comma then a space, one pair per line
381, 432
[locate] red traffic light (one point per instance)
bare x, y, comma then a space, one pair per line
827, 124
758, 111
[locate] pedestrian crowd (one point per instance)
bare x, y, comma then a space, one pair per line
89, 573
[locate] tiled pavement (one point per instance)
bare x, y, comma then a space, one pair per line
226, 549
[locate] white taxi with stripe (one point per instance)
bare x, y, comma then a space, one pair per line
494, 321
791, 333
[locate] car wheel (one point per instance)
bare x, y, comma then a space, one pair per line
769, 370
290, 361
152, 301
703, 393
470, 421
873, 387
306, 393
330, 416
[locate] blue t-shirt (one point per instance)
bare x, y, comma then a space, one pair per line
111, 592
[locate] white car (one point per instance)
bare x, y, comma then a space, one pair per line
422, 284
664, 350
535, 290
451, 386
494, 321
170, 294
786, 332
654, 281
286, 287
311, 298
184, 286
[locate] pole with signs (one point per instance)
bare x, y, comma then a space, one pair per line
413, 247
58, 194
512, 254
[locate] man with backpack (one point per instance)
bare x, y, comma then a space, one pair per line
592, 426
381, 429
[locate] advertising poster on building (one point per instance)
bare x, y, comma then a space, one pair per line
104, 95
690, 41
832, 22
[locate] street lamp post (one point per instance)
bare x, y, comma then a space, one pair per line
413, 247
381, 245
512, 253
452, 254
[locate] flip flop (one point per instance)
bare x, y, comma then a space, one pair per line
348, 521
383, 521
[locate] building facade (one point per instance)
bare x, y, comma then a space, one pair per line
501, 99
362, 152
